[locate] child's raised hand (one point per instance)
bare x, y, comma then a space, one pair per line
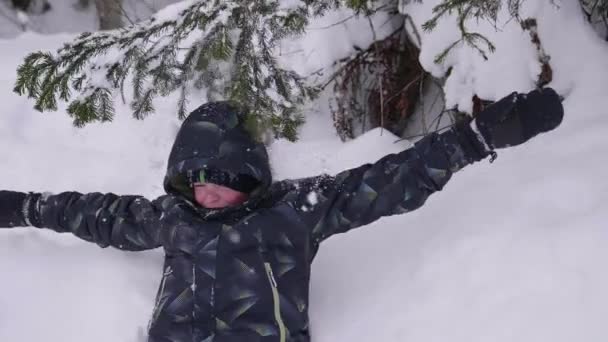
11, 209
517, 118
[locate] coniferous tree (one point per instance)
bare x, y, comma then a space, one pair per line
471, 9
597, 14
225, 47
109, 13
222, 46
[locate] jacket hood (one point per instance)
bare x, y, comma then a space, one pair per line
214, 135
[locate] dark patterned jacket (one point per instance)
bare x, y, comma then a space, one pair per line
242, 273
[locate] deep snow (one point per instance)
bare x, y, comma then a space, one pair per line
509, 251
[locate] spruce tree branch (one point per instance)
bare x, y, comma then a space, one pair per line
226, 47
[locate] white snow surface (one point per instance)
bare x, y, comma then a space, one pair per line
509, 251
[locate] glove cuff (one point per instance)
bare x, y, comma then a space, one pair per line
31, 214
472, 143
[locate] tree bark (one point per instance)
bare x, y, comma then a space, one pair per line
21, 4
109, 13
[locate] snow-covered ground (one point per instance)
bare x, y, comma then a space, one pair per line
510, 251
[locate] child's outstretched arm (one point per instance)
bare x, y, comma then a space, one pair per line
125, 222
401, 182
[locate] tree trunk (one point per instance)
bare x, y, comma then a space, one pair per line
109, 13
21, 4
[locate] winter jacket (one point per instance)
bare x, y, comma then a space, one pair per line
242, 273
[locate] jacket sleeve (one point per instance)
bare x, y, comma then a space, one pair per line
125, 222
396, 184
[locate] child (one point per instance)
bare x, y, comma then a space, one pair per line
239, 246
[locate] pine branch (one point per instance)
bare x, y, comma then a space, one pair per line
227, 48
234, 36
471, 9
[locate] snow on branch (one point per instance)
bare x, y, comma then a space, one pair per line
224, 47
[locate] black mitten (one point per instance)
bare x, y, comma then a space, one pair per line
517, 118
11, 209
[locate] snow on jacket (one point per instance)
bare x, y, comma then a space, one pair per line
242, 273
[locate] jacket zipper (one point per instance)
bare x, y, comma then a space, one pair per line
276, 302
161, 293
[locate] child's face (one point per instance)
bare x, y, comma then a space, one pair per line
215, 196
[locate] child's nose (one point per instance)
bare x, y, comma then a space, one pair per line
212, 197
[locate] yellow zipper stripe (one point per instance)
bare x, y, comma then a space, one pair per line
276, 301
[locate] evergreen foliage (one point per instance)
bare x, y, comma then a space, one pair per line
224, 47
597, 14
227, 49
596, 10
471, 9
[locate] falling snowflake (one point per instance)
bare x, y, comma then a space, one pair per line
312, 198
